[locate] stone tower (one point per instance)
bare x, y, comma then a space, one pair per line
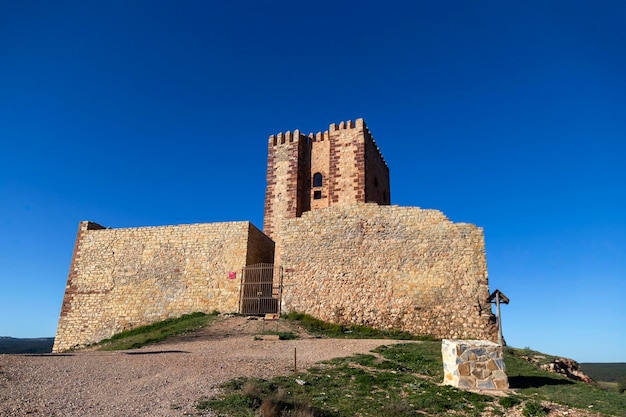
340, 166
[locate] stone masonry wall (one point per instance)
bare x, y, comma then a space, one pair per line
124, 278
320, 162
283, 192
347, 164
260, 247
388, 267
377, 187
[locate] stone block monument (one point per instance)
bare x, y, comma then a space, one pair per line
473, 364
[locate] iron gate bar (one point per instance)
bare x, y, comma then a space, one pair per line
259, 293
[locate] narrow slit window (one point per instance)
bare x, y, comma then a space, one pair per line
317, 180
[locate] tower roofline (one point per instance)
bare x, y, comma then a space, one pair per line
295, 135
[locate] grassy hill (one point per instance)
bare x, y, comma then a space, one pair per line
35, 345
399, 380
405, 380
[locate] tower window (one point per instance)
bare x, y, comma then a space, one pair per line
317, 195
375, 182
317, 180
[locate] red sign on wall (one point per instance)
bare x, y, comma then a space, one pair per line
232, 275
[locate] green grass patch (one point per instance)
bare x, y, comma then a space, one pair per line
281, 335
287, 336
423, 358
156, 332
338, 331
614, 386
367, 385
403, 380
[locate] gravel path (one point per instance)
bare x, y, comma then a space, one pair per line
160, 380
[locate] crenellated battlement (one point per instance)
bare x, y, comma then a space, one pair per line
324, 136
348, 125
290, 137
287, 137
319, 136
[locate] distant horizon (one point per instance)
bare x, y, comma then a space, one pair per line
27, 338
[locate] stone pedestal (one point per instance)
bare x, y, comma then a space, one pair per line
473, 364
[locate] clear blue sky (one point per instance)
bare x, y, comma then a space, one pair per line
509, 115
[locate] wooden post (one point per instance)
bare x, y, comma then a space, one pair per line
295, 361
498, 298
500, 338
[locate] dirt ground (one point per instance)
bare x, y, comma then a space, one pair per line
159, 380
165, 379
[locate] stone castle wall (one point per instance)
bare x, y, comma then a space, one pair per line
348, 256
388, 267
124, 278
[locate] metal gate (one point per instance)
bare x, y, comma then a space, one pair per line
261, 290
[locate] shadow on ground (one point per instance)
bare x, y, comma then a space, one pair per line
535, 381
155, 352
49, 355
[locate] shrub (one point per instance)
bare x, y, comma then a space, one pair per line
251, 390
534, 409
508, 402
287, 336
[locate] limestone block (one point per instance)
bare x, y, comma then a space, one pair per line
473, 364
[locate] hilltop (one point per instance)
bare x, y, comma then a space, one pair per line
30, 345
235, 362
